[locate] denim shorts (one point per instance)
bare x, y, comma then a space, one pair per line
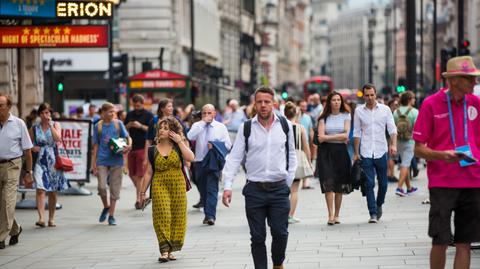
405, 151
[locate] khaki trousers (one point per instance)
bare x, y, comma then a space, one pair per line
9, 177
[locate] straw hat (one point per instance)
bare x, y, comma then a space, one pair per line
461, 66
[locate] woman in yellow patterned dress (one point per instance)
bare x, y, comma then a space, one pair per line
169, 200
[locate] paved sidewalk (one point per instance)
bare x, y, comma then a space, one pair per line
399, 240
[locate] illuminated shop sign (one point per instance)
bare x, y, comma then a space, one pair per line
28, 8
85, 9
70, 36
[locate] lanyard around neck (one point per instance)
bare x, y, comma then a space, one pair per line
450, 115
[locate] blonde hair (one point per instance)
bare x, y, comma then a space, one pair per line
107, 106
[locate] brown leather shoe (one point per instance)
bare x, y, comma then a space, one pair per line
278, 266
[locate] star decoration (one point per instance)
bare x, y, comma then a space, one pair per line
36, 31
26, 31
46, 31
56, 31
67, 30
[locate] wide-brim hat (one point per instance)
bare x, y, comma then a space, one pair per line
461, 66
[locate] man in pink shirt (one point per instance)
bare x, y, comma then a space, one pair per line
447, 135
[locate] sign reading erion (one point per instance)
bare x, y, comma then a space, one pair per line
85, 9
70, 36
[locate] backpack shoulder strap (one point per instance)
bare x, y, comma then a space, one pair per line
100, 128
408, 111
151, 156
286, 130
179, 152
247, 129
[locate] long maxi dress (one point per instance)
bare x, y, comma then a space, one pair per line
169, 202
46, 176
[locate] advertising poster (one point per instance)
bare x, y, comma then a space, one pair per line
75, 134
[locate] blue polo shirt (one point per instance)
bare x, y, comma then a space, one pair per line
105, 156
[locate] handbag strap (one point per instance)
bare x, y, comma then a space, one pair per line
63, 143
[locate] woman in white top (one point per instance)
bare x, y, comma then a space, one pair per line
333, 161
304, 169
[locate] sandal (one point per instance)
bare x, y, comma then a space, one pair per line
40, 224
51, 223
336, 220
171, 257
331, 222
163, 258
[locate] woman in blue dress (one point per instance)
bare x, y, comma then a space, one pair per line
48, 180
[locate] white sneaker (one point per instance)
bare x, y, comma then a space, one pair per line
292, 220
373, 219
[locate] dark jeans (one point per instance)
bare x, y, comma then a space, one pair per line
371, 167
271, 203
207, 183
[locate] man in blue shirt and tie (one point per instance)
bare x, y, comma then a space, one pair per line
205, 132
270, 168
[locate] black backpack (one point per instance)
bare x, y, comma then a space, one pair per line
247, 129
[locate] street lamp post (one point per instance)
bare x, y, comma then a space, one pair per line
411, 58
371, 29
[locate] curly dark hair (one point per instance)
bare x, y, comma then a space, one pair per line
172, 124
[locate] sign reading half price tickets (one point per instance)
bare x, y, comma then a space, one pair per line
75, 135
65, 36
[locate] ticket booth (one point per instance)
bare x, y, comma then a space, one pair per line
157, 84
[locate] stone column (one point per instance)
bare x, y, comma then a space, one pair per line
22, 80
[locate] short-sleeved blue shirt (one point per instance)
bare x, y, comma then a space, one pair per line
105, 157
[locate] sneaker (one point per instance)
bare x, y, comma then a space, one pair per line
111, 221
292, 220
412, 190
400, 192
373, 219
103, 215
379, 212
392, 179
198, 205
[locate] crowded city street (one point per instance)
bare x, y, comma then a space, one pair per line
400, 240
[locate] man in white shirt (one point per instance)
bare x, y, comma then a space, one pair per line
270, 168
204, 132
15, 143
370, 144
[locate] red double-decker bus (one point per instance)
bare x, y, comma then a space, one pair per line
322, 85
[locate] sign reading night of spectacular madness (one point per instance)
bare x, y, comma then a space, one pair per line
69, 36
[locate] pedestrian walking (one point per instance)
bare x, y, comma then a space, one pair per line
307, 122
370, 122
263, 141
304, 167
169, 200
234, 118
15, 143
447, 135
392, 160
209, 135
405, 117
136, 123
333, 160
106, 164
48, 180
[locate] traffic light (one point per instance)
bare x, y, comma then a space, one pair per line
120, 68
464, 49
401, 85
60, 84
284, 94
445, 55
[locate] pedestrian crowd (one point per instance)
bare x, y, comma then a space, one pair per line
282, 146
